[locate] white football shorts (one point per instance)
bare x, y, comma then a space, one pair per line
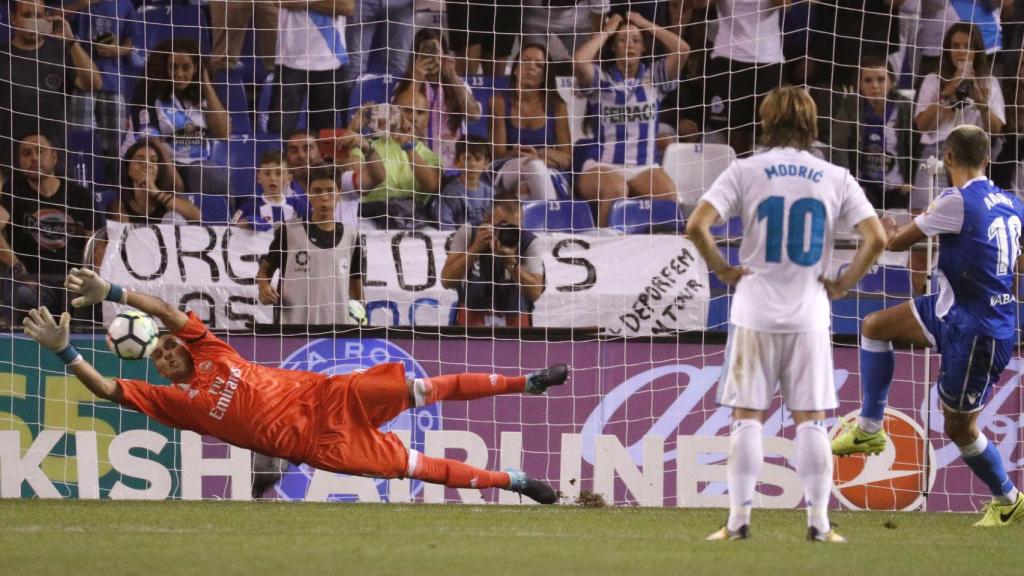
759, 363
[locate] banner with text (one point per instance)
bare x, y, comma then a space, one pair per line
630, 285
636, 423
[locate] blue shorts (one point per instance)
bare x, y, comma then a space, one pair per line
971, 363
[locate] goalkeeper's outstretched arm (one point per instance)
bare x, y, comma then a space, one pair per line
44, 329
93, 289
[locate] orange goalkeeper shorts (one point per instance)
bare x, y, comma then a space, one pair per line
358, 404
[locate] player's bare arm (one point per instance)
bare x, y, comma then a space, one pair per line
41, 326
93, 289
906, 237
872, 244
699, 231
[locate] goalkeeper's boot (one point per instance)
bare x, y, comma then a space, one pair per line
540, 491
997, 515
832, 537
724, 534
538, 382
853, 440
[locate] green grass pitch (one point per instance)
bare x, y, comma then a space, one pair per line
157, 538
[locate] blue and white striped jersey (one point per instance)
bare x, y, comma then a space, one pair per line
262, 214
979, 230
627, 112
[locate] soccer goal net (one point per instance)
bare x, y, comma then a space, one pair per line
473, 186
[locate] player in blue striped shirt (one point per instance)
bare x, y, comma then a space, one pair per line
623, 86
971, 322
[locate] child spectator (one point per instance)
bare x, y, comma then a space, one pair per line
320, 262
467, 199
273, 205
872, 135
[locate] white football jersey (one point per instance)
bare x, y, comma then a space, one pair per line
791, 203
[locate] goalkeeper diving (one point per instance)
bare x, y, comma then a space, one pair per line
329, 422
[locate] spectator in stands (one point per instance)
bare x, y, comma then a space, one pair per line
230, 22
177, 101
859, 28
319, 259
936, 18
497, 268
303, 152
1006, 170
388, 22
530, 130
873, 135
311, 57
624, 89
467, 199
745, 64
561, 25
963, 92
483, 33
108, 25
40, 67
412, 170
147, 193
273, 205
450, 103
45, 223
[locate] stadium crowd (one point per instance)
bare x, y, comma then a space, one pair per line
420, 113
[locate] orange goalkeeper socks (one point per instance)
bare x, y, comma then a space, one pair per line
455, 474
470, 386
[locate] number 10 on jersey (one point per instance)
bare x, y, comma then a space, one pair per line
802, 248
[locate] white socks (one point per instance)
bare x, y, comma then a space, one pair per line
746, 455
869, 425
814, 466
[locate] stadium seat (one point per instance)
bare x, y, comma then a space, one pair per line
214, 209
102, 198
371, 89
230, 88
643, 216
694, 167
484, 91
240, 158
159, 23
570, 216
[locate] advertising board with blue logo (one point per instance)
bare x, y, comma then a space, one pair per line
637, 423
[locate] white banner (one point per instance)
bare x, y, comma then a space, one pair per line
629, 285
632, 285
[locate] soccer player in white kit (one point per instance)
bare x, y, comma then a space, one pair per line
791, 204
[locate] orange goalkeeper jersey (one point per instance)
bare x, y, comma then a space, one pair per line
270, 410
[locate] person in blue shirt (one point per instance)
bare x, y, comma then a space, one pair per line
276, 203
106, 26
971, 322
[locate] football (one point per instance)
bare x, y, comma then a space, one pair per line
132, 335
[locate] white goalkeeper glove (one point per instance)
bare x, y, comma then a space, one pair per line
41, 327
91, 287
